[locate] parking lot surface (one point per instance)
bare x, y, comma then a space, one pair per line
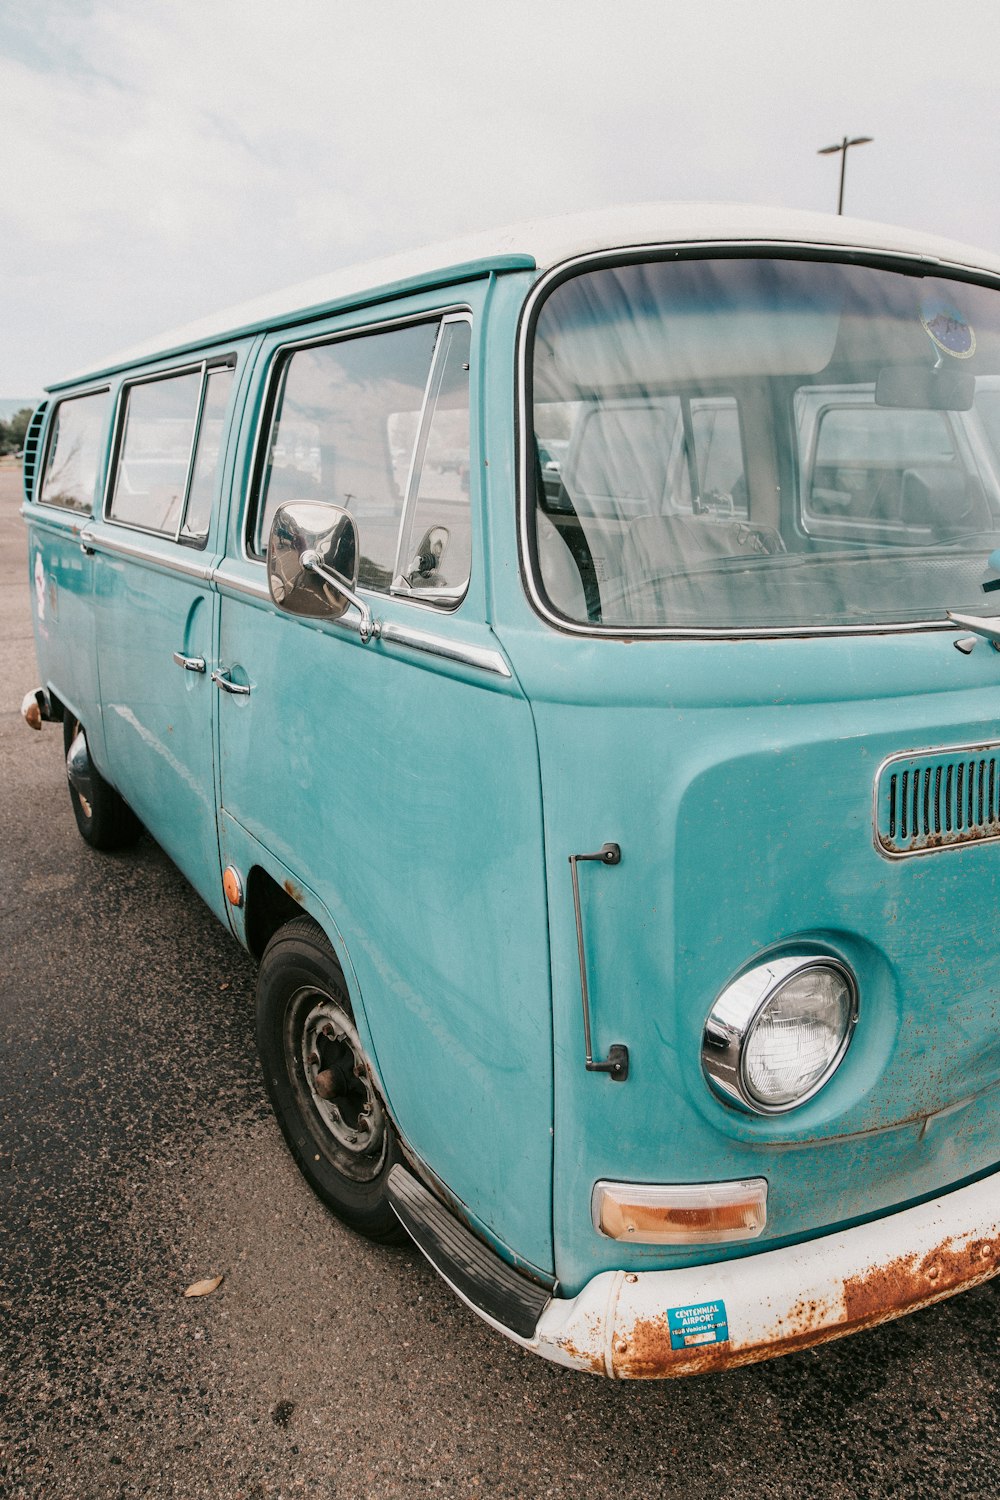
137, 1155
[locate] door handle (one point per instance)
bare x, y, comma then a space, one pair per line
189, 663
616, 1062
223, 680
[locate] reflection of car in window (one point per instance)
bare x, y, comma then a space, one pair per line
551, 457
896, 475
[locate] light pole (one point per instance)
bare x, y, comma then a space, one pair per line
858, 140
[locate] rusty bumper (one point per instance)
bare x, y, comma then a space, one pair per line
652, 1324
37, 709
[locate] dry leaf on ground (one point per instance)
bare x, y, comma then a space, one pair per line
202, 1288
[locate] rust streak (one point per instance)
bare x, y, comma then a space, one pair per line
907, 1283
293, 890
887, 1291
584, 1358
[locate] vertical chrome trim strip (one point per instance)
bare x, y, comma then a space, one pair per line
196, 429
432, 390
417, 451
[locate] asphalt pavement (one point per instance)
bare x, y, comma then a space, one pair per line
138, 1154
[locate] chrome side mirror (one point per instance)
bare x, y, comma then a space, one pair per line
312, 563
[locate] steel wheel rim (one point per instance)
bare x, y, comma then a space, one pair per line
327, 1063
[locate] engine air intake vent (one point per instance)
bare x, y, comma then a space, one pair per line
934, 799
29, 462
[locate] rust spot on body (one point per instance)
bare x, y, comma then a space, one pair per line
293, 890
584, 1359
887, 1291
904, 1284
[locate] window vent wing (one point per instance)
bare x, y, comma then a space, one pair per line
935, 799
29, 467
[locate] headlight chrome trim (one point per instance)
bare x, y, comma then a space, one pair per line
736, 1012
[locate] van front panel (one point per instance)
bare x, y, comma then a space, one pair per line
784, 469
742, 801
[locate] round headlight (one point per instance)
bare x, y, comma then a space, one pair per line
777, 1034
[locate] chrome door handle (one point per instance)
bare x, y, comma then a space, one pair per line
189, 663
223, 680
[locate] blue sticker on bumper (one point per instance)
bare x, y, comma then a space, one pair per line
705, 1323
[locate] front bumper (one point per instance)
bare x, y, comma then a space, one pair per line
651, 1324
38, 708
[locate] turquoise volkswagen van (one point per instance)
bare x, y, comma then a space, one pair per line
568, 662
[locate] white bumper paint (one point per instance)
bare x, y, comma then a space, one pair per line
777, 1300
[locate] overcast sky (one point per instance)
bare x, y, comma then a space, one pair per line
167, 158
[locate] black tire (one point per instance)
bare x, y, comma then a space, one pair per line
319, 1082
104, 819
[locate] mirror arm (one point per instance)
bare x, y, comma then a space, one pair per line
369, 628
979, 625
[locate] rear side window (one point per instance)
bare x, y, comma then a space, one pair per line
168, 452
379, 425
76, 439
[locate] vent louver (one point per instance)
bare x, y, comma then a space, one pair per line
29, 463
936, 799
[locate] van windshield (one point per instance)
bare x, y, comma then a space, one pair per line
755, 444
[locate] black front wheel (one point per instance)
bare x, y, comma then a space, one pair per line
104, 819
319, 1082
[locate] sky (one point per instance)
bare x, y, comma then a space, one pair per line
163, 160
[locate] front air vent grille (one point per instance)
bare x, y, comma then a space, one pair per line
936, 799
29, 462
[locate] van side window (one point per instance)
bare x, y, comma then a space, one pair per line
379, 424
168, 452
75, 444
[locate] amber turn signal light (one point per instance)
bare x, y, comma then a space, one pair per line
232, 885
697, 1213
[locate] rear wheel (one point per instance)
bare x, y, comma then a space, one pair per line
104, 819
319, 1083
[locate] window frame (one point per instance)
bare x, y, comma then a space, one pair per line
203, 367
50, 429
272, 383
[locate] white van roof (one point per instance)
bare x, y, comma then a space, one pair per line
538, 245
